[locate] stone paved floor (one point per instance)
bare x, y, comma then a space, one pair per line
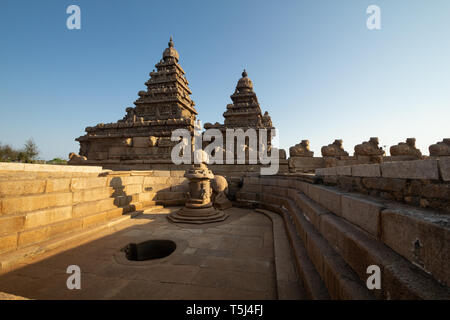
228, 260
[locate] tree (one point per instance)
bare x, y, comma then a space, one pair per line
7, 153
30, 151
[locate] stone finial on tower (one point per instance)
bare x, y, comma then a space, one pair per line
170, 42
244, 74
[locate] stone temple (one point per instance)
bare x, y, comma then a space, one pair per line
144, 133
140, 227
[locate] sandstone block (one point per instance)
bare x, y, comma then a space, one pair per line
161, 173
344, 170
146, 196
57, 185
141, 142
114, 213
132, 189
94, 219
25, 187
11, 224
35, 202
421, 237
32, 236
326, 197
418, 169
320, 172
310, 209
62, 227
155, 180
252, 188
8, 243
444, 168
331, 171
362, 212
366, 170
47, 216
87, 183
177, 173
88, 208
92, 194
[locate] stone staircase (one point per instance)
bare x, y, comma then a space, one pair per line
336, 236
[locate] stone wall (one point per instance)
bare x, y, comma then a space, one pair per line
336, 235
424, 183
234, 173
43, 204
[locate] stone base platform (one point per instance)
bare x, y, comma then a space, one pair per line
236, 259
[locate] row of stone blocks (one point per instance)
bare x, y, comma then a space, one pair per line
343, 234
433, 169
35, 211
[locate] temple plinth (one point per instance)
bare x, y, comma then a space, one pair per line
199, 207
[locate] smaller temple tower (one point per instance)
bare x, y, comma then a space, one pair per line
244, 113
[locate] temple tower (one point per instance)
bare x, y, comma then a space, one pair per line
144, 133
244, 113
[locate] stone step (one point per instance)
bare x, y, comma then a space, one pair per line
401, 279
314, 287
12, 260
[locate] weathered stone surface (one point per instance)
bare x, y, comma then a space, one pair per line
86, 183
369, 148
444, 168
329, 171
85, 209
326, 197
385, 184
344, 170
8, 243
92, 194
57, 185
31, 167
421, 237
11, 224
35, 202
47, 216
334, 150
362, 212
76, 159
17, 188
32, 236
418, 169
440, 149
301, 150
406, 149
366, 170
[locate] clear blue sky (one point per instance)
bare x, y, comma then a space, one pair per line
315, 66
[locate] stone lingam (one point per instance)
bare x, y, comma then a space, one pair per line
199, 207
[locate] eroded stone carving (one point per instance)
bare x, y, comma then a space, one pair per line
334, 150
301, 150
441, 148
75, 158
369, 148
220, 190
407, 148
